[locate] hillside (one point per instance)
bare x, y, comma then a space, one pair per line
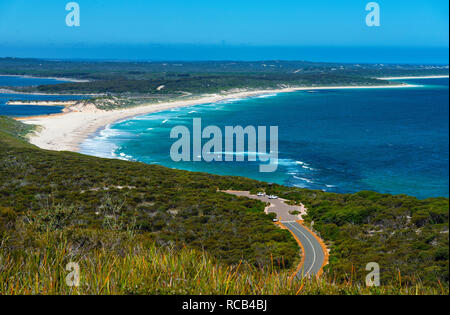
55, 204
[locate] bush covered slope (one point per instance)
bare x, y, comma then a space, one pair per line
173, 207
407, 237
61, 192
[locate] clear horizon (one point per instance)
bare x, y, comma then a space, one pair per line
190, 53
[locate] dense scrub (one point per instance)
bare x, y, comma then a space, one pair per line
407, 237
151, 79
101, 70
61, 191
175, 207
211, 83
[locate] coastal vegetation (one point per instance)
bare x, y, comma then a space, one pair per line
407, 237
120, 220
134, 83
14, 128
207, 83
101, 70
172, 207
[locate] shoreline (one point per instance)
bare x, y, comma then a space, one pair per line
45, 78
416, 77
41, 103
71, 80
13, 92
67, 131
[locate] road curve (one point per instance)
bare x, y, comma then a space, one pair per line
313, 251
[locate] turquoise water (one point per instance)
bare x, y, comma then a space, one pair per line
386, 140
30, 110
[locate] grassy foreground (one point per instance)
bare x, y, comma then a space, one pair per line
119, 263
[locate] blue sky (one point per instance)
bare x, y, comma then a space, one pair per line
404, 23
285, 22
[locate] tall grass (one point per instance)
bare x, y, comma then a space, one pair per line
142, 267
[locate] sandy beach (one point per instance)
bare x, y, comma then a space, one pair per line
67, 131
41, 103
418, 77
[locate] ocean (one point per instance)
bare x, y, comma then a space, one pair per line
386, 140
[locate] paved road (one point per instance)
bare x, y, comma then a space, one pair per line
278, 206
314, 255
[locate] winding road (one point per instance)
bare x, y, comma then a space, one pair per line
315, 254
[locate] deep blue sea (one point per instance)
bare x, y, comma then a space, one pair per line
30, 110
386, 140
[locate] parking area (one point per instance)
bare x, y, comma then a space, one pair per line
279, 206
